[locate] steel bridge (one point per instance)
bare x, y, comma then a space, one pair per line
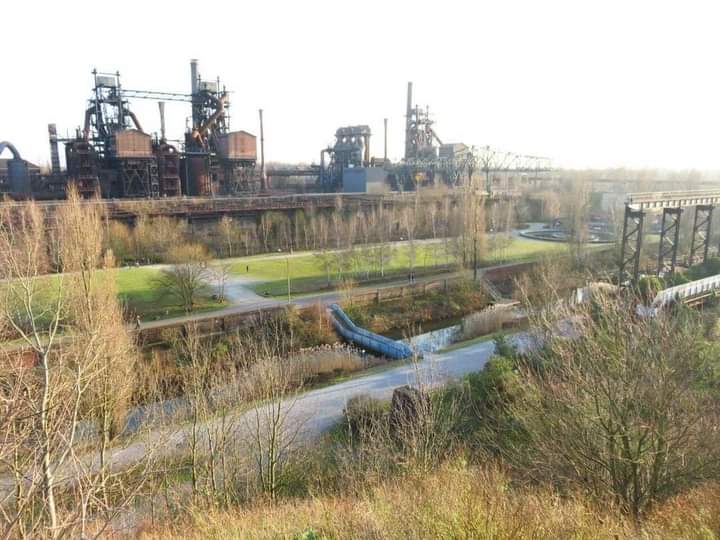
671, 204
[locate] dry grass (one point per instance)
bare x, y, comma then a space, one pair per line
325, 361
457, 501
486, 321
319, 364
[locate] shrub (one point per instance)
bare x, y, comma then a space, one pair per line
621, 409
364, 413
648, 287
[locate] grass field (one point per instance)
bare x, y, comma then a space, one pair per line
309, 273
138, 290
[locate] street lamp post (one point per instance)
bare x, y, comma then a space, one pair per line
287, 273
287, 262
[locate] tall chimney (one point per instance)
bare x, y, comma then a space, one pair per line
385, 141
54, 155
408, 120
161, 106
263, 177
193, 76
194, 85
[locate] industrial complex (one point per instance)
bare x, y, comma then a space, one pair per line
112, 156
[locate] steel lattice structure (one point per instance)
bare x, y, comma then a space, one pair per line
672, 204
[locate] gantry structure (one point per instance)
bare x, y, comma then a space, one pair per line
672, 204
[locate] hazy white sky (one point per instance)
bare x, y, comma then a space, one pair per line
589, 83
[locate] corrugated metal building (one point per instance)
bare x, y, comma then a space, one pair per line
364, 180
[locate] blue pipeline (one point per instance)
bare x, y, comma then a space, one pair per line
368, 340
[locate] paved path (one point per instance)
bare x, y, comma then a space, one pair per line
318, 410
253, 302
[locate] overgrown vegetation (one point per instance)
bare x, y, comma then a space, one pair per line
406, 314
595, 422
605, 430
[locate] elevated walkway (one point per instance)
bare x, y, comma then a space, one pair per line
366, 339
688, 292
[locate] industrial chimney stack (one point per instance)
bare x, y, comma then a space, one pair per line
161, 106
408, 120
54, 155
385, 141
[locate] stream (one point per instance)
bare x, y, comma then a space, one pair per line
431, 336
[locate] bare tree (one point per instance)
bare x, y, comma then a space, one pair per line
220, 273
271, 427
23, 260
100, 339
577, 210
187, 276
619, 407
227, 229
64, 384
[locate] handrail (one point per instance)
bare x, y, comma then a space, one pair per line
686, 290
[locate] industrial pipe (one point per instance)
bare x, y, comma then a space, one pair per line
86, 127
203, 129
135, 120
9, 146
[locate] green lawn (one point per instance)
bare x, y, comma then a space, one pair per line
309, 272
138, 290
520, 248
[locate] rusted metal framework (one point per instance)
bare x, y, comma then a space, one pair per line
485, 162
669, 239
420, 136
351, 149
702, 226
672, 204
82, 166
455, 163
631, 244
128, 163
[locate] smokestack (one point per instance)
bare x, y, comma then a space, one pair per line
193, 76
385, 141
54, 155
161, 106
263, 178
408, 120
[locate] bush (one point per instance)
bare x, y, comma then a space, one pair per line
648, 287
710, 267
622, 410
311, 327
363, 414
